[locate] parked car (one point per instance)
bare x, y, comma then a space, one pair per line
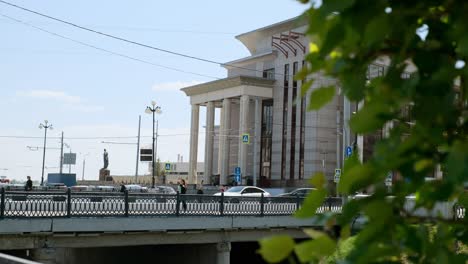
243, 191
162, 190
300, 192
136, 188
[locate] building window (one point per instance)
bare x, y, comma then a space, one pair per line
293, 124
269, 74
285, 120
265, 142
302, 133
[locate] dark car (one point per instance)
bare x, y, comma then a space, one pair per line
300, 192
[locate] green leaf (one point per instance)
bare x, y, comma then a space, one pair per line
275, 249
321, 96
318, 248
305, 87
355, 179
370, 118
376, 30
331, 6
318, 180
457, 164
313, 201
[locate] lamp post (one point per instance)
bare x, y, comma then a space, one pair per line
153, 109
46, 126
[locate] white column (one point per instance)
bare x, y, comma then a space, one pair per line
346, 128
192, 175
209, 142
225, 141
243, 128
223, 252
256, 141
360, 138
220, 140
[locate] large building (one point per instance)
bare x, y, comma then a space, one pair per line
286, 143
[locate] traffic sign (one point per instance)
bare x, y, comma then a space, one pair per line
146, 154
349, 151
237, 173
337, 175
246, 138
389, 179
167, 167
69, 158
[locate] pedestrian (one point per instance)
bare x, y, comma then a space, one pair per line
200, 192
182, 188
29, 184
200, 188
123, 188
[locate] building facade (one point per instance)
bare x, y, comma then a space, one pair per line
285, 143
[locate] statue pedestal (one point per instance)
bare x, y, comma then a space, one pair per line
104, 174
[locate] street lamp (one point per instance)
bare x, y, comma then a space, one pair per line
46, 125
152, 110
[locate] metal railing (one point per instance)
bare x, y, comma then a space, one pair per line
31, 204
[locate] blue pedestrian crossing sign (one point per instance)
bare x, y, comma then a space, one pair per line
349, 151
246, 138
167, 167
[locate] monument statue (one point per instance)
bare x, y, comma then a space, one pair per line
106, 159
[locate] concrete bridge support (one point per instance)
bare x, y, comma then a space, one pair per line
223, 253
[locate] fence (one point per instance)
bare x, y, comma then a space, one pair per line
22, 204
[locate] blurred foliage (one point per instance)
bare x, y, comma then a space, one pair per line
426, 46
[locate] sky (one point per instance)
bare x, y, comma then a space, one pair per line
74, 79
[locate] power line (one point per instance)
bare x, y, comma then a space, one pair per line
130, 41
105, 50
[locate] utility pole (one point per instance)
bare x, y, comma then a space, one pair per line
138, 149
82, 175
46, 126
61, 154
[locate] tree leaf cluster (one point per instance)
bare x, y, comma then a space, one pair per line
423, 94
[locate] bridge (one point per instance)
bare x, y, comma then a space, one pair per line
69, 227
98, 227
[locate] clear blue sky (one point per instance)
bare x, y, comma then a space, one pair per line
88, 93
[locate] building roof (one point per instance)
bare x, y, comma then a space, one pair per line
249, 39
227, 83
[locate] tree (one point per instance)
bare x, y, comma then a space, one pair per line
430, 36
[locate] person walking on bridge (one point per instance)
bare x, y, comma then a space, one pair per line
182, 189
29, 184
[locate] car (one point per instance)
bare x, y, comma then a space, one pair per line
135, 188
162, 190
243, 191
300, 192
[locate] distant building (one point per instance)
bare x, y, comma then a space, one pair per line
285, 144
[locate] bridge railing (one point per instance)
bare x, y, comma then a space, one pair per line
36, 204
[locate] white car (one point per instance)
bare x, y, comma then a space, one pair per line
244, 191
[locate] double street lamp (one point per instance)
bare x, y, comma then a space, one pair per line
46, 126
153, 109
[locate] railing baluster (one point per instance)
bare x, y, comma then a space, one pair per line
221, 205
2, 203
126, 202
262, 204
177, 204
69, 202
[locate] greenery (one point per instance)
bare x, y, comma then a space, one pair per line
429, 117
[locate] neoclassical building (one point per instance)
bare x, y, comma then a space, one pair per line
260, 98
